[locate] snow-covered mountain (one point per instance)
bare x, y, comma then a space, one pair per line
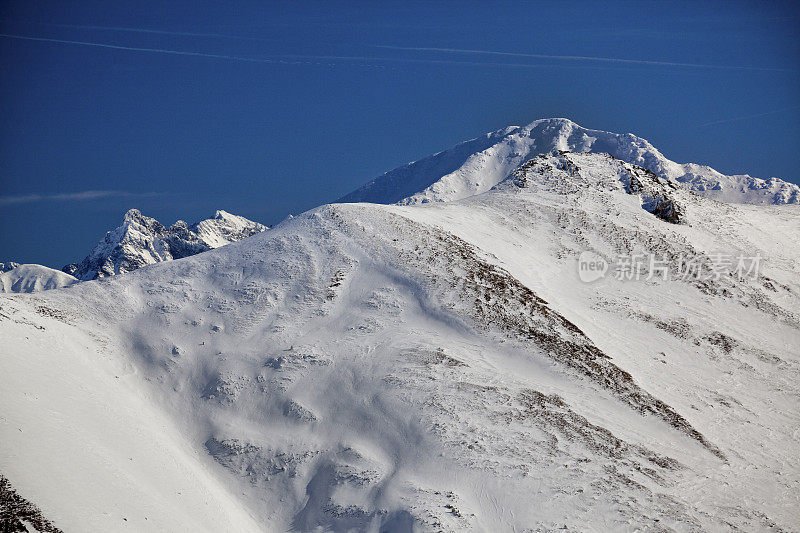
142, 240
476, 166
34, 278
435, 366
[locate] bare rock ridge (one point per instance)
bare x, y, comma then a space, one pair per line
142, 240
477, 165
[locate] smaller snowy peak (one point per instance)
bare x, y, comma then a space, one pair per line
142, 240
33, 278
225, 228
10, 265
475, 166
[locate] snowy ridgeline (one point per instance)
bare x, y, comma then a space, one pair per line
427, 367
472, 167
33, 278
476, 166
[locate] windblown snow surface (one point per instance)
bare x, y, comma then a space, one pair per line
429, 367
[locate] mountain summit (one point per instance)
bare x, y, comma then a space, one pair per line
475, 166
142, 240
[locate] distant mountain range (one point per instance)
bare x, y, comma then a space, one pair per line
142, 240
138, 242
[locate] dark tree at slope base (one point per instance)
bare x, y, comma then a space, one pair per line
16, 512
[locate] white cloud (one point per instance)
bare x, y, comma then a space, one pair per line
72, 196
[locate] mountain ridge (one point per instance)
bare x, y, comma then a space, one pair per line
475, 166
433, 367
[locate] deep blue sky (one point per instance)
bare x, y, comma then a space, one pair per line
337, 93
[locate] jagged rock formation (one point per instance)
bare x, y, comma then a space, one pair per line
142, 240
5, 267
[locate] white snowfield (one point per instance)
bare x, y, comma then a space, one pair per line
33, 278
425, 367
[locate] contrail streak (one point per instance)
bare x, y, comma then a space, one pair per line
745, 117
579, 58
287, 58
150, 31
277, 59
140, 49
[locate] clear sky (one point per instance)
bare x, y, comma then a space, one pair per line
262, 108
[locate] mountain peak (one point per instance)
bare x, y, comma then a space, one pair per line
132, 214
475, 166
142, 240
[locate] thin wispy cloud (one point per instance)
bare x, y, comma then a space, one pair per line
579, 58
80, 196
746, 117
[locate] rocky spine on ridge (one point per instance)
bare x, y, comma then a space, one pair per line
10, 265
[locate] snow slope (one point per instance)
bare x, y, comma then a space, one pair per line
32, 278
436, 367
476, 166
142, 240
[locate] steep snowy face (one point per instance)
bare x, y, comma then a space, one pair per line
142, 240
476, 166
34, 278
438, 367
